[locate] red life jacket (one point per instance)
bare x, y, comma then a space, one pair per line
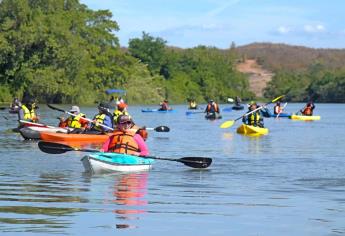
308, 111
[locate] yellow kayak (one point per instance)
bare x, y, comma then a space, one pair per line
301, 117
251, 130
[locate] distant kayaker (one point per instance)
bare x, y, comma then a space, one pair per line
193, 104
125, 140
212, 107
27, 111
164, 106
102, 120
308, 109
254, 118
277, 108
74, 121
121, 109
238, 101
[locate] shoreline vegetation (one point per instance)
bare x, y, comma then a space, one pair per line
62, 52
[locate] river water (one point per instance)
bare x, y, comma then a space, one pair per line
290, 182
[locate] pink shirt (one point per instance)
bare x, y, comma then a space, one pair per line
144, 151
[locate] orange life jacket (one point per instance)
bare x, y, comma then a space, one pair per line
277, 109
215, 107
123, 142
141, 131
307, 111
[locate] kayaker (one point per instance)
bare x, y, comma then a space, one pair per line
308, 109
27, 111
238, 101
164, 106
277, 108
74, 121
254, 118
121, 109
125, 140
193, 105
212, 107
104, 117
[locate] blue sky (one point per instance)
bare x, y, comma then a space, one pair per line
189, 23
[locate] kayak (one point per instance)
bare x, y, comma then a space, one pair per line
237, 107
194, 112
267, 113
251, 130
156, 110
61, 137
213, 116
33, 132
305, 118
115, 162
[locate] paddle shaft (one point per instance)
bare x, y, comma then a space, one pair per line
37, 124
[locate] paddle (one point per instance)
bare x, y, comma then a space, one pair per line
157, 129
58, 148
281, 110
161, 128
229, 123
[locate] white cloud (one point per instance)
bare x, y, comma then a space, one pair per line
314, 28
283, 29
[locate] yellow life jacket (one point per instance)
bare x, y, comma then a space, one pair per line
193, 105
29, 115
254, 119
99, 118
73, 121
118, 113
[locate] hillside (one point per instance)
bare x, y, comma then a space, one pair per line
258, 77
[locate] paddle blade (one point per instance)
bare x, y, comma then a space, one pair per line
227, 124
162, 129
53, 148
196, 162
277, 98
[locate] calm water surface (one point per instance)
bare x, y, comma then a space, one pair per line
290, 182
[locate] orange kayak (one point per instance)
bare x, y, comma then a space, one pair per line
61, 137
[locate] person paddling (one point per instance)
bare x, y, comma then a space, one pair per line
254, 118
193, 105
125, 140
212, 109
277, 108
121, 109
308, 109
104, 117
74, 121
27, 111
164, 106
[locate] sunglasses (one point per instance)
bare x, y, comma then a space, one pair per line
126, 123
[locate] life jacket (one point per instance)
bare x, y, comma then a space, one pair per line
118, 113
254, 119
99, 118
164, 106
73, 121
29, 115
193, 105
212, 108
123, 142
307, 111
141, 131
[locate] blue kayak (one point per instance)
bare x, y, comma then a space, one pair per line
115, 162
237, 107
156, 110
268, 114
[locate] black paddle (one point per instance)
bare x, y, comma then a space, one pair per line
157, 129
58, 148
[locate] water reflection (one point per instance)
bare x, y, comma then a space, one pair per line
129, 191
